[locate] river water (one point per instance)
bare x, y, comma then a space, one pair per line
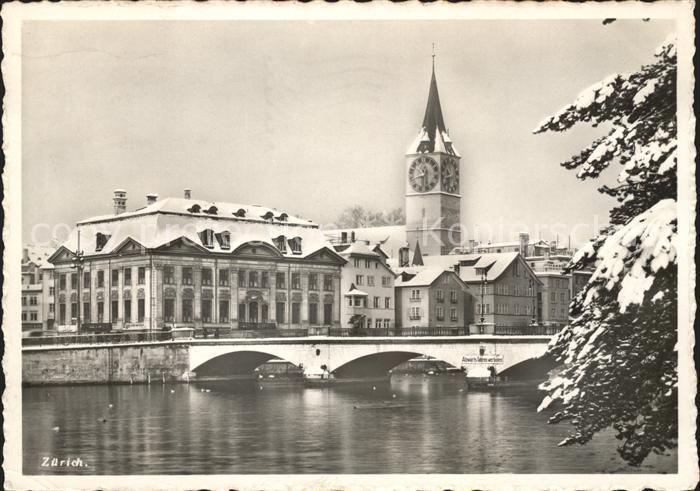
408, 425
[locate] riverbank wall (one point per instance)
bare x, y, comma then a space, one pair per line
137, 363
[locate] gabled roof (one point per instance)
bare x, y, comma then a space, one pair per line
424, 277
39, 255
354, 292
470, 265
390, 237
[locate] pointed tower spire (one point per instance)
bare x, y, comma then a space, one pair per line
433, 127
417, 256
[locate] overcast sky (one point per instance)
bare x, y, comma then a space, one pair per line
312, 117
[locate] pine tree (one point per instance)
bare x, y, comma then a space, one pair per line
619, 353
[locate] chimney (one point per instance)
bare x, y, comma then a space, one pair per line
151, 198
524, 239
119, 201
188, 194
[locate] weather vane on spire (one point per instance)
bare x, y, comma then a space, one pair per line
433, 55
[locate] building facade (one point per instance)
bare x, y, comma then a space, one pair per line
553, 298
37, 290
194, 263
432, 298
433, 183
368, 287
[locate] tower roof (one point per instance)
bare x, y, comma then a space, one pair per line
433, 136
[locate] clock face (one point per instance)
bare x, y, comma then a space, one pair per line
423, 174
450, 176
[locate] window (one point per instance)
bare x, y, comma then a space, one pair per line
313, 313
86, 311
360, 301
280, 280
32, 300
206, 310
127, 276
100, 311
280, 243
368, 263
100, 279
73, 312
296, 313
100, 241
370, 280
187, 310
24, 316
187, 275
141, 307
241, 278
127, 310
51, 308
375, 302
74, 281
241, 312
295, 245
62, 282
223, 311
327, 313
387, 323
553, 311
378, 323
415, 294
296, 281
33, 316
453, 314
169, 309
359, 280
207, 276
86, 279
313, 281
440, 296
387, 302
115, 277
224, 239
440, 313
223, 277
24, 300
62, 313
253, 279
386, 281
115, 310
207, 238
356, 262
414, 313
553, 296
369, 322
168, 275
562, 297
264, 279
280, 307
141, 274
453, 297
328, 282
52, 291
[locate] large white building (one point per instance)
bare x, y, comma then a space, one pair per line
197, 263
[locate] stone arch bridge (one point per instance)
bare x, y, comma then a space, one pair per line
362, 357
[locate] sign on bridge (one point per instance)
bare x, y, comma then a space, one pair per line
482, 360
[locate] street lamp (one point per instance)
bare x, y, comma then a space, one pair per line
483, 287
532, 294
77, 264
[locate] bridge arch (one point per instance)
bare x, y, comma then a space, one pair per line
373, 365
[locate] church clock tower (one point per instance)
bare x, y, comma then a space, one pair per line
432, 184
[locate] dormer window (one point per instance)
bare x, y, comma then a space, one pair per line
295, 245
280, 243
268, 216
207, 238
194, 209
212, 210
224, 239
283, 217
100, 241
240, 213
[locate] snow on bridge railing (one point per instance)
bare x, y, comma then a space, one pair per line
228, 333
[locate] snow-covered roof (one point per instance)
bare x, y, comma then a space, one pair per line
353, 291
426, 276
358, 248
470, 265
171, 219
391, 238
39, 255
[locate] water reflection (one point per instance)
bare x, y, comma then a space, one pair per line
408, 425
